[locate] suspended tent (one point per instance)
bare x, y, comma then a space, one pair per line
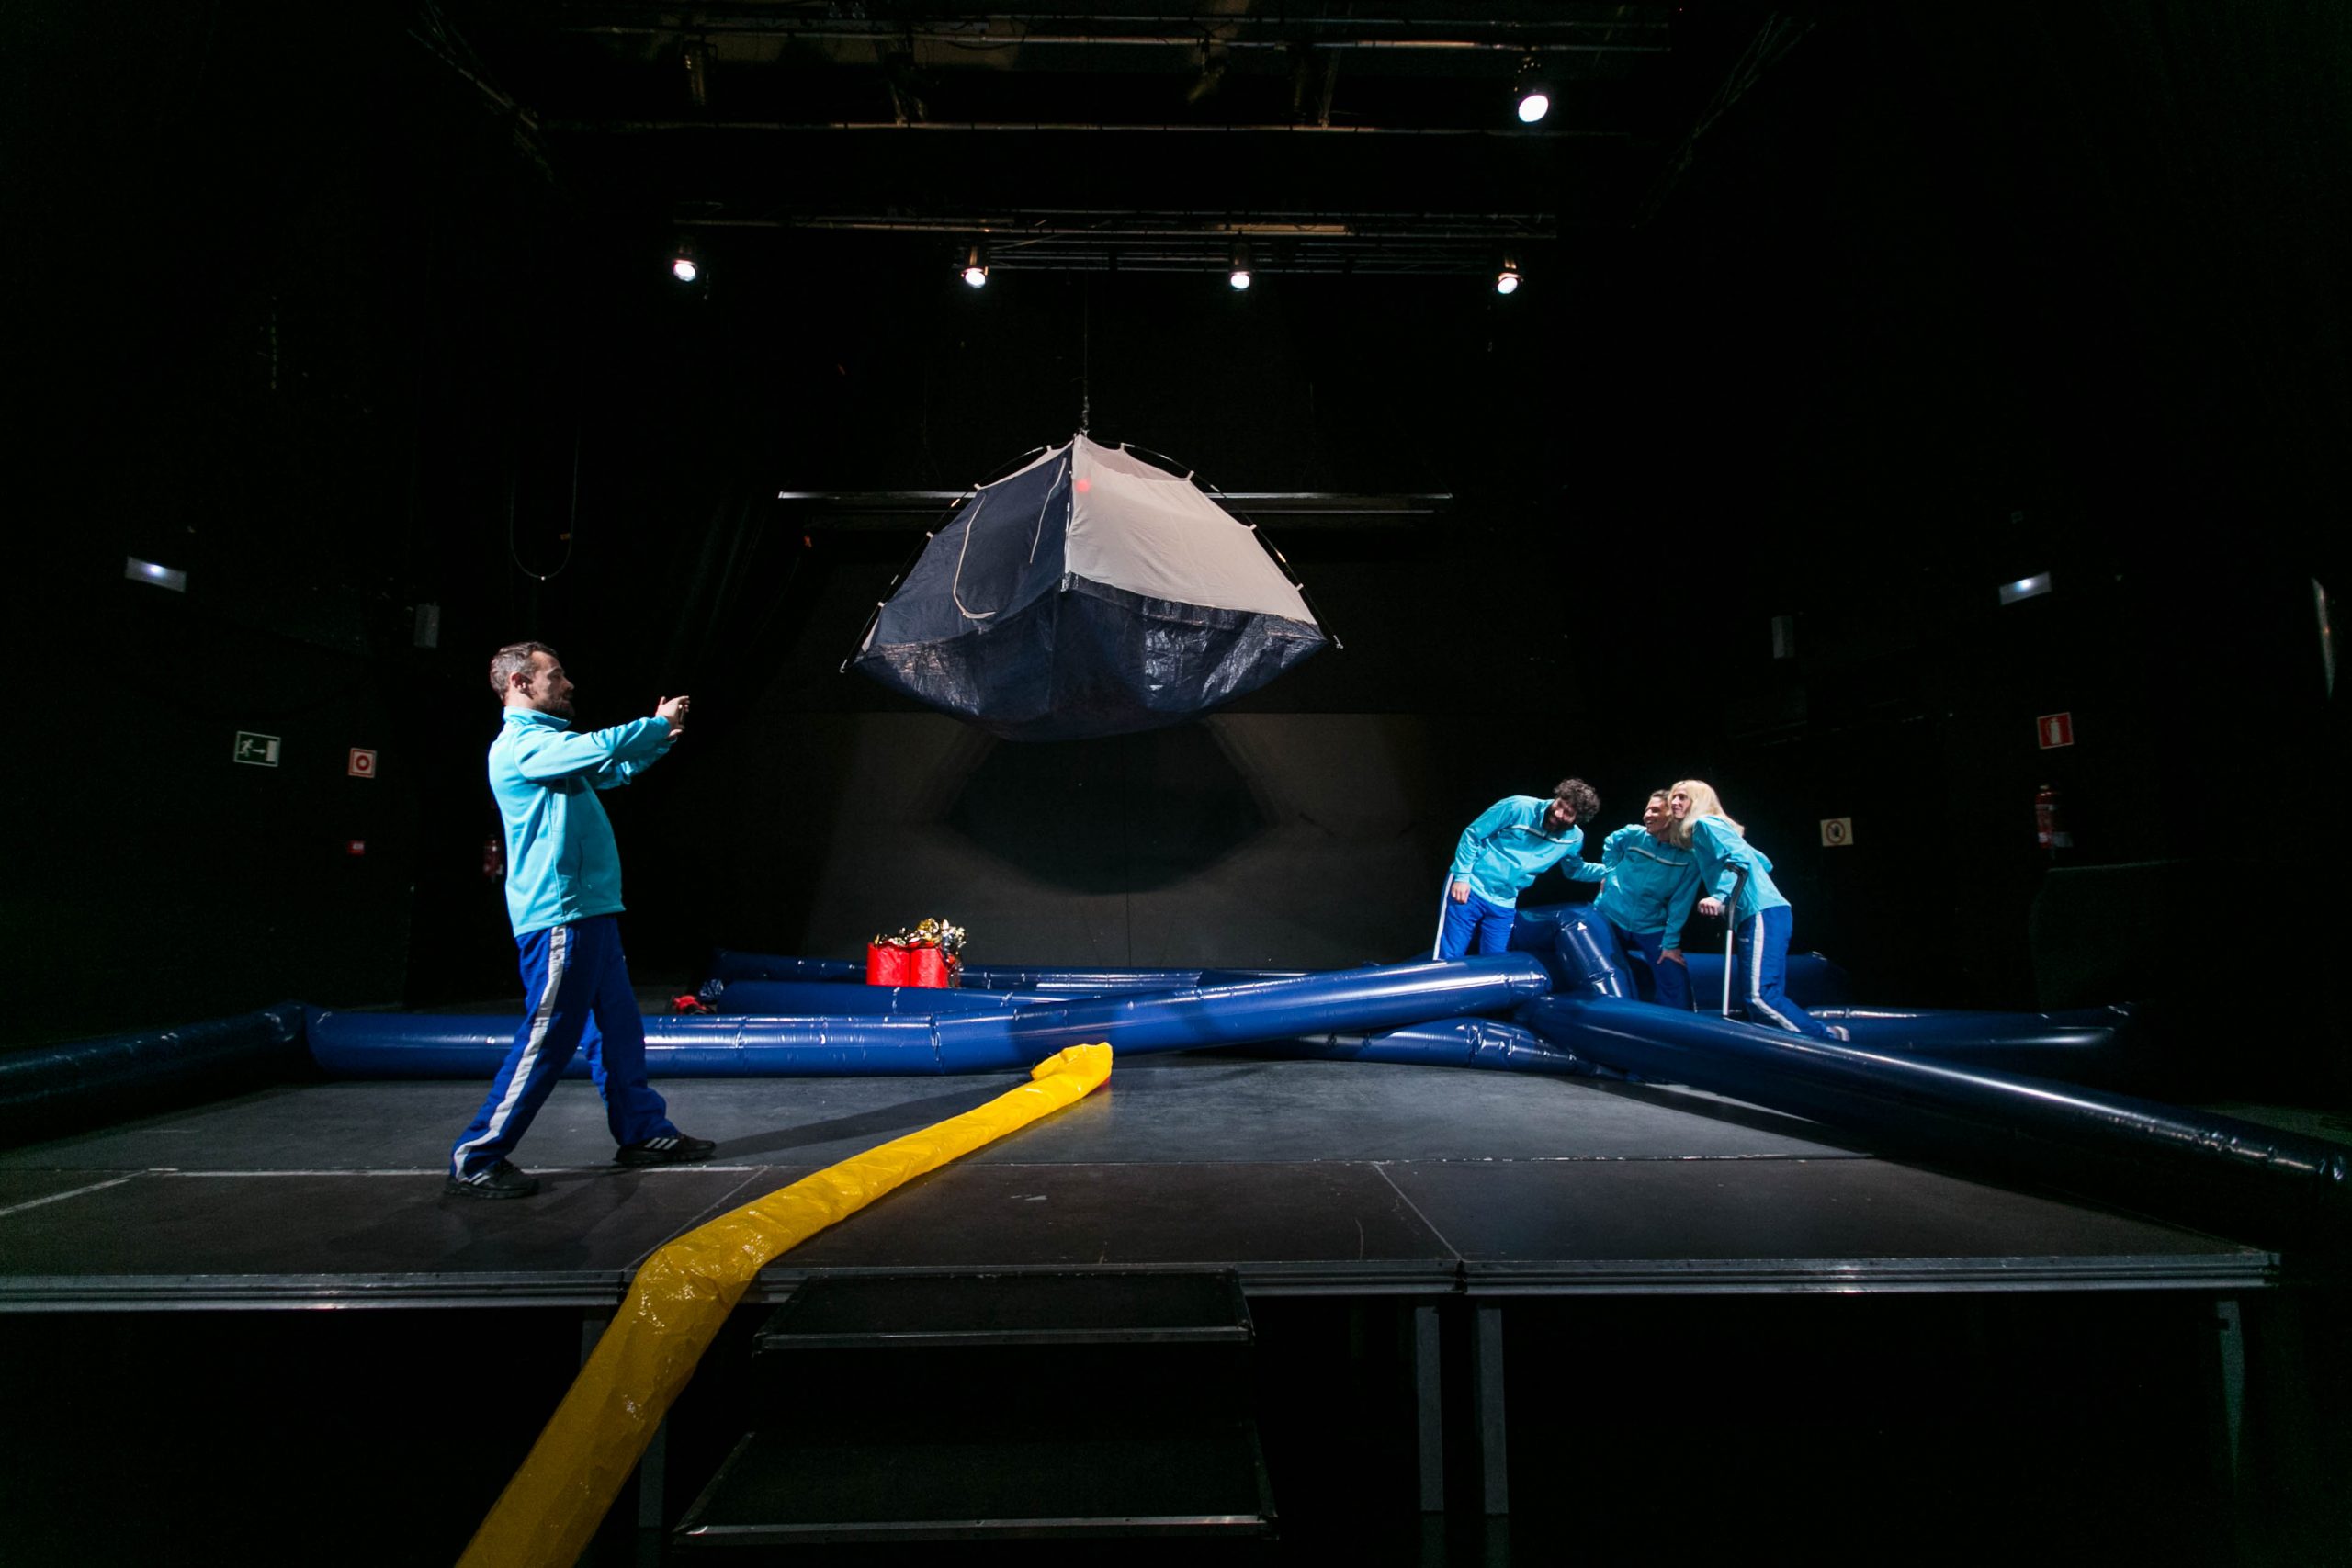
1090, 592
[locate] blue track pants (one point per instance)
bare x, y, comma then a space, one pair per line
1670, 983
1762, 952
1490, 923
576, 980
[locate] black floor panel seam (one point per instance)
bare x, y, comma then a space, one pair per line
1380, 1168
1632, 1159
726, 1203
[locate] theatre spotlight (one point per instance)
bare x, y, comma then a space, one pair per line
160, 576
2032, 587
684, 266
976, 267
1240, 277
1507, 280
1533, 93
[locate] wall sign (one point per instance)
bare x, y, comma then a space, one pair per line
1838, 832
363, 763
2055, 729
260, 751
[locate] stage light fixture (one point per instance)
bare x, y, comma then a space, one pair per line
1507, 280
684, 266
976, 267
1240, 277
2032, 587
160, 576
1533, 93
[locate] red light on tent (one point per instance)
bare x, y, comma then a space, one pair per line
1084, 485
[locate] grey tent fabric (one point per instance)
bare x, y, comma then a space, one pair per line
1089, 593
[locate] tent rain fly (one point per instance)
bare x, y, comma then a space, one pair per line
1089, 593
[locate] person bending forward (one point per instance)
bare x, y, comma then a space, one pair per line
1760, 919
1649, 885
1513, 841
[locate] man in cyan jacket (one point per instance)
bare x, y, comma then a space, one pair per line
1513, 841
563, 898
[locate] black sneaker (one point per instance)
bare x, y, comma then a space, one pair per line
501, 1181
666, 1150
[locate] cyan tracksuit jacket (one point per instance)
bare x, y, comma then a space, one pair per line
1507, 848
1646, 885
561, 862
1722, 854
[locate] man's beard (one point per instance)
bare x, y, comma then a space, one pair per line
560, 707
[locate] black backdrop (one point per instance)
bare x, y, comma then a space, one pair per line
1939, 303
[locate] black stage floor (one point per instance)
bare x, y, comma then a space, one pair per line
1303, 1177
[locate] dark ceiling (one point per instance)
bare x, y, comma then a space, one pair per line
1141, 138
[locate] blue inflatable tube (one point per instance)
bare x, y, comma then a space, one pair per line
818, 999
50, 1087
1097, 982
731, 967
728, 964
2086, 1046
1812, 981
2148, 1153
412, 1045
1443, 1042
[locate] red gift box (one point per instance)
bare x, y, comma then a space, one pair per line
885, 963
927, 966
928, 955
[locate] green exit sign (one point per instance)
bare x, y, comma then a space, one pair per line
261, 751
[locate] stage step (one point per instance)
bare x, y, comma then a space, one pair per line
974, 1406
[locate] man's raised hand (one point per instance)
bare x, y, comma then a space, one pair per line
673, 710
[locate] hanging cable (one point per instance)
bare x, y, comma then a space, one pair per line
571, 525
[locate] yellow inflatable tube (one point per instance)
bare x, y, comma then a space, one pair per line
551, 1508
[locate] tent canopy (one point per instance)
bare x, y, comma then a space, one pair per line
1089, 593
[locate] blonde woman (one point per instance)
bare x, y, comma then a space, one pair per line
1760, 920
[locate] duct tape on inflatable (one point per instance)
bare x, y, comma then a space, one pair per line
550, 1509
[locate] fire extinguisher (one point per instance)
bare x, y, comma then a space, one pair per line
2049, 820
494, 858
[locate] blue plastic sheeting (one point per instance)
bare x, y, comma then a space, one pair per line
729, 966
80, 1080
415, 1045
2153, 1155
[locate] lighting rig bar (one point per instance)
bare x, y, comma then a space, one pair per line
1602, 29
1453, 244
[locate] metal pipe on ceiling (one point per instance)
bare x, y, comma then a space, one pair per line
980, 42
1516, 132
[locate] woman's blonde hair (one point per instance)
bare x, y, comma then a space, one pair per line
1705, 802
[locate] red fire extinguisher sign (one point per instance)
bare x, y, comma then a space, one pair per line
2055, 729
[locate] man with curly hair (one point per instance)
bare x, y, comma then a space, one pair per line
1513, 841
